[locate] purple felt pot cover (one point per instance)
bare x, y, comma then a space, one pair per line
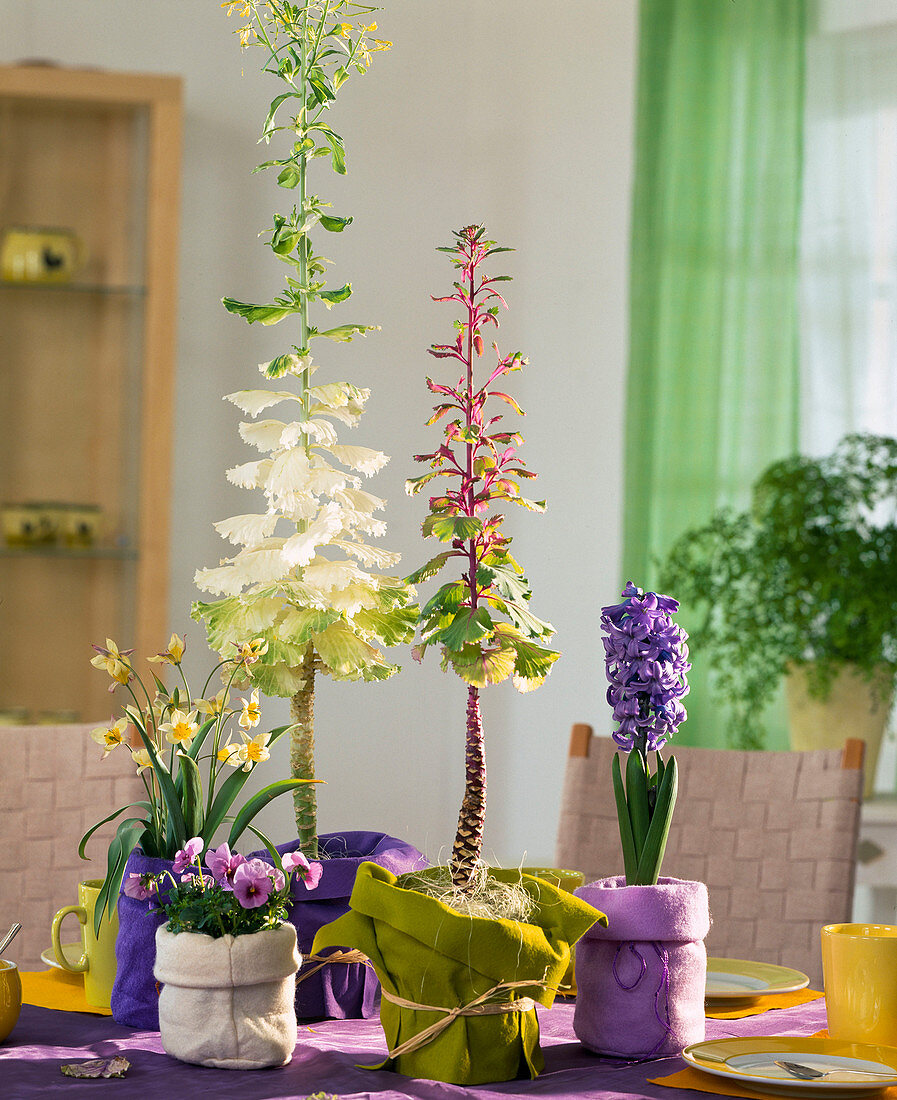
135, 999
641, 979
340, 991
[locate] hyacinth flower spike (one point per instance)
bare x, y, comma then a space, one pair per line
646, 658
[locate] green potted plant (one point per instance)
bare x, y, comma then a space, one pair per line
803, 585
307, 578
194, 758
641, 979
464, 953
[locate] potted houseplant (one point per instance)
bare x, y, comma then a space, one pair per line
181, 739
463, 953
640, 980
802, 585
226, 955
307, 578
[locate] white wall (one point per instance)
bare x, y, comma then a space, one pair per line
512, 112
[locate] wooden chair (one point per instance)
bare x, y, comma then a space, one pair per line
54, 785
772, 834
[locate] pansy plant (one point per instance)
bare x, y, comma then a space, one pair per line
481, 620
306, 579
646, 658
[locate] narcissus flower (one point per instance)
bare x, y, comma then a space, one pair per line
212, 707
114, 661
251, 714
141, 758
181, 729
110, 737
249, 652
174, 654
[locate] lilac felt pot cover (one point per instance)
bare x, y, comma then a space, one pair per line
340, 991
641, 979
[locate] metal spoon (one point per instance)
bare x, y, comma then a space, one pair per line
9, 937
807, 1073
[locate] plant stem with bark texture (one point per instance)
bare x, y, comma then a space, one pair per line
469, 839
302, 757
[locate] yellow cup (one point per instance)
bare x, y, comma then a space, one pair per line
97, 962
10, 997
859, 964
39, 254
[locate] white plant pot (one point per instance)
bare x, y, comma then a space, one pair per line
854, 708
228, 1002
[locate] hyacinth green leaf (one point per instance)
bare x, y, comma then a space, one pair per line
300, 623
480, 667
191, 795
345, 334
336, 296
447, 600
415, 484
115, 813
656, 841
630, 860
467, 626
265, 315
637, 797
259, 801
432, 567
335, 225
389, 627
448, 528
344, 652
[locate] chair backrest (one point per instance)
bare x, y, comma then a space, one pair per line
772, 834
54, 785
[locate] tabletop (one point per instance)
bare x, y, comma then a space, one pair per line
327, 1059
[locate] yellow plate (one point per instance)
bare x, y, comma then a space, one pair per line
72, 952
742, 980
752, 1062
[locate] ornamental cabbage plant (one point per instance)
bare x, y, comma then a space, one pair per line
481, 620
646, 658
306, 579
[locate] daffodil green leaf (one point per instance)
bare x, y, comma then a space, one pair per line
467, 626
111, 817
335, 225
264, 314
191, 794
335, 296
448, 528
127, 836
259, 801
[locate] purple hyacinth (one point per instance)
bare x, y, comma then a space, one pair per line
647, 660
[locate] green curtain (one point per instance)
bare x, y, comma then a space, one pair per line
713, 369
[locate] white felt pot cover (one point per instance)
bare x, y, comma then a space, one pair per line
228, 1002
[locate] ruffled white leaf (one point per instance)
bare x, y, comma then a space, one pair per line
302, 507
299, 549
222, 581
326, 575
252, 402
298, 364
319, 430
288, 474
324, 479
362, 459
265, 435
337, 395
353, 598
359, 500
246, 530
250, 475
345, 415
258, 564
369, 555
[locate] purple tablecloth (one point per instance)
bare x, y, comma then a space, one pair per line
325, 1061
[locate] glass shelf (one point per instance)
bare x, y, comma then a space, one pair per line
116, 553
102, 289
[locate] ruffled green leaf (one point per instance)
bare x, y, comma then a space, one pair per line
448, 528
333, 297
264, 314
415, 484
345, 334
432, 567
335, 225
343, 651
447, 600
388, 627
300, 623
466, 626
480, 667
236, 619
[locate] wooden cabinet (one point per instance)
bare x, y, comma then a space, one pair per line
89, 165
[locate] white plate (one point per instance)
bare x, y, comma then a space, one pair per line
72, 952
741, 980
751, 1061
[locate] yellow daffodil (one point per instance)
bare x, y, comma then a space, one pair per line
110, 737
141, 758
249, 652
211, 708
174, 654
181, 729
232, 754
251, 714
114, 661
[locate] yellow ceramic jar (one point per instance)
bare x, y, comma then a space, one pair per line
10, 997
859, 963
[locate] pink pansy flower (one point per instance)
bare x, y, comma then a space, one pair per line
265, 868
251, 886
188, 855
313, 876
310, 873
139, 887
223, 863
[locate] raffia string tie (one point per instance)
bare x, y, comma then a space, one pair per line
347, 957
484, 1005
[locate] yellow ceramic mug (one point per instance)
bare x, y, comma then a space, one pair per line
34, 254
97, 962
859, 964
10, 997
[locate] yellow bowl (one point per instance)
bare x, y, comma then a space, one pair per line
859, 962
10, 997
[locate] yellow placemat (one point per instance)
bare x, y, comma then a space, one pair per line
57, 989
764, 1004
